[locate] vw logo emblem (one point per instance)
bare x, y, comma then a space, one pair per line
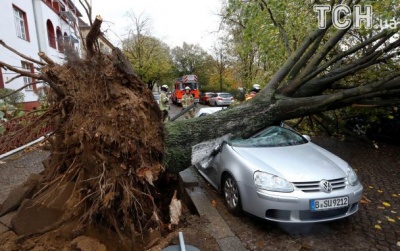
325, 186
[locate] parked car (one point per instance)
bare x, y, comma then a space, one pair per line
220, 99
204, 97
207, 111
280, 175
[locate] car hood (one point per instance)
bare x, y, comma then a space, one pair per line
307, 162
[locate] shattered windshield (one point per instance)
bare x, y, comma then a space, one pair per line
272, 136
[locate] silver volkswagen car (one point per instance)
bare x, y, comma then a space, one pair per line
279, 175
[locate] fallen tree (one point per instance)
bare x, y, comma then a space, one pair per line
329, 70
110, 141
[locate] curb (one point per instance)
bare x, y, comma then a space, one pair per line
21, 147
191, 191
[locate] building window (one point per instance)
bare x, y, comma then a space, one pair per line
66, 39
50, 34
60, 42
56, 6
28, 67
62, 7
21, 24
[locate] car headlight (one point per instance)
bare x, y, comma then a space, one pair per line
272, 182
352, 177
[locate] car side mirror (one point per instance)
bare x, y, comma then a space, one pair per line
308, 138
217, 149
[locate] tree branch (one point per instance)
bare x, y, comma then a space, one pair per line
317, 85
282, 31
21, 72
48, 60
310, 52
57, 89
88, 9
360, 92
20, 54
18, 90
92, 36
384, 35
13, 78
291, 62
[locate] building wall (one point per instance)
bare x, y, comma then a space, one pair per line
37, 13
8, 34
104, 45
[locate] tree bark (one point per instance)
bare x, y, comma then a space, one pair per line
92, 36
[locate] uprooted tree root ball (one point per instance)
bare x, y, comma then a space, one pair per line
107, 140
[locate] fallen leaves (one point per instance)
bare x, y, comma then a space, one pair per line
365, 200
390, 219
384, 206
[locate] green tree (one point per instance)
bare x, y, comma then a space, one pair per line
149, 56
10, 97
192, 59
264, 34
328, 69
222, 61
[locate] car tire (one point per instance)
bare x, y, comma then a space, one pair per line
230, 191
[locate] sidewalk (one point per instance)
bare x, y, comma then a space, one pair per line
14, 170
189, 187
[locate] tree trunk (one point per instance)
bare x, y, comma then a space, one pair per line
241, 121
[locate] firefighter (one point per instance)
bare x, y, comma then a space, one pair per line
164, 103
188, 100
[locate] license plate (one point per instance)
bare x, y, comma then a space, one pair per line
331, 203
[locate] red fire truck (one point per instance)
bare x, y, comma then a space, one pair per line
179, 88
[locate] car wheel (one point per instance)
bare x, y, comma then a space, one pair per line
230, 191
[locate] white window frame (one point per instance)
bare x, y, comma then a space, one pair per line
27, 66
20, 25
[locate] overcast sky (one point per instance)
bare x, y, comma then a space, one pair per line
172, 21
